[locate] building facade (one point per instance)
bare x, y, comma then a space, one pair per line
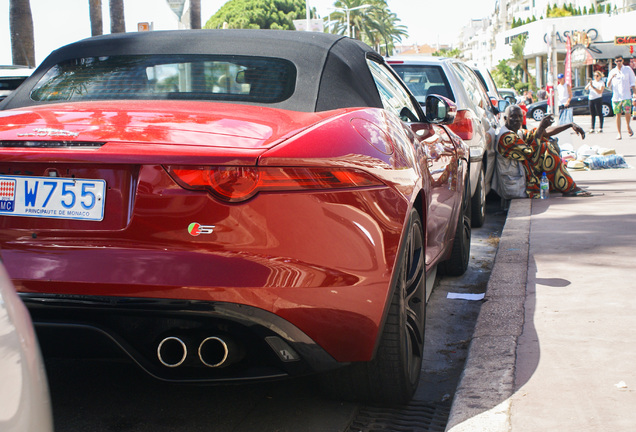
591, 37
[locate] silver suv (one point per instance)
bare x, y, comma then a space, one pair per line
476, 121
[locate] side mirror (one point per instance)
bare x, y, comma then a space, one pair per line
502, 105
439, 109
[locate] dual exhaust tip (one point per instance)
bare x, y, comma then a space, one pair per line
213, 352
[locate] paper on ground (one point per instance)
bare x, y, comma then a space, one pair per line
463, 296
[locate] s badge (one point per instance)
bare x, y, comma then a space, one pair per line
196, 228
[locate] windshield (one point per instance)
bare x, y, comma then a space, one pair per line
231, 78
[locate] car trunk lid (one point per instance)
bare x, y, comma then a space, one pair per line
80, 166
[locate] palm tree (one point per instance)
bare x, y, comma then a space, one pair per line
356, 17
375, 24
518, 46
95, 13
195, 14
117, 21
383, 28
21, 30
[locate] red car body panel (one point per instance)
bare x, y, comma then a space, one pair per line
142, 248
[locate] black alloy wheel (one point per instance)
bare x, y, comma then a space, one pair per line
393, 375
538, 113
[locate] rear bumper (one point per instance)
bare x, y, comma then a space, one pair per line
261, 344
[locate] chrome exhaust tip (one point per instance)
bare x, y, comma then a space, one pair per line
172, 352
214, 351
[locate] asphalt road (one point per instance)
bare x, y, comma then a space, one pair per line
96, 396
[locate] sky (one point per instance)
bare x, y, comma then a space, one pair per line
59, 22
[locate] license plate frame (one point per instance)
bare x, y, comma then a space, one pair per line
52, 197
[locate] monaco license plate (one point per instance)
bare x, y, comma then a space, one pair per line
52, 197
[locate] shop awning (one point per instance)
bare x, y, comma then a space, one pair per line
582, 55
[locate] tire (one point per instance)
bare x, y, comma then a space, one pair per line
457, 264
607, 110
537, 114
394, 373
478, 203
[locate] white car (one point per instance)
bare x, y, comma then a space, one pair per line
11, 77
476, 121
25, 405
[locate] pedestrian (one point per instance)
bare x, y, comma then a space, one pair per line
528, 97
537, 153
622, 81
542, 94
564, 96
596, 87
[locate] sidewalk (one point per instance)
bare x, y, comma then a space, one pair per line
554, 346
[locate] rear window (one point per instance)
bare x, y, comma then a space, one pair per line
423, 80
176, 77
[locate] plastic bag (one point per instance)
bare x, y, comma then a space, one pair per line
566, 116
609, 161
584, 152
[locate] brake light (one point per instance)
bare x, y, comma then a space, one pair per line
237, 183
463, 124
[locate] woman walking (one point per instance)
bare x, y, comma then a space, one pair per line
596, 88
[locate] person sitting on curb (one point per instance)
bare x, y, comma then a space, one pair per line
536, 153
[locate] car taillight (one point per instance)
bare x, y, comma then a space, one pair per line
238, 183
463, 124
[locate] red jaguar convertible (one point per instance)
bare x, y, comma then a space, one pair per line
228, 205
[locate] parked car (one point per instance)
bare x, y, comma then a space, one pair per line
476, 121
230, 205
11, 77
579, 104
486, 79
25, 404
509, 94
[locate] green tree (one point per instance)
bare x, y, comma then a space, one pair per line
518, 46
503, 75
258, 14
446, 52
557, 12
21, 33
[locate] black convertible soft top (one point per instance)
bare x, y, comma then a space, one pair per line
331, 69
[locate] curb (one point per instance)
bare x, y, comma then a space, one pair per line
482, 400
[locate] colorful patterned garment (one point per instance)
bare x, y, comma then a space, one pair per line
536, 157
